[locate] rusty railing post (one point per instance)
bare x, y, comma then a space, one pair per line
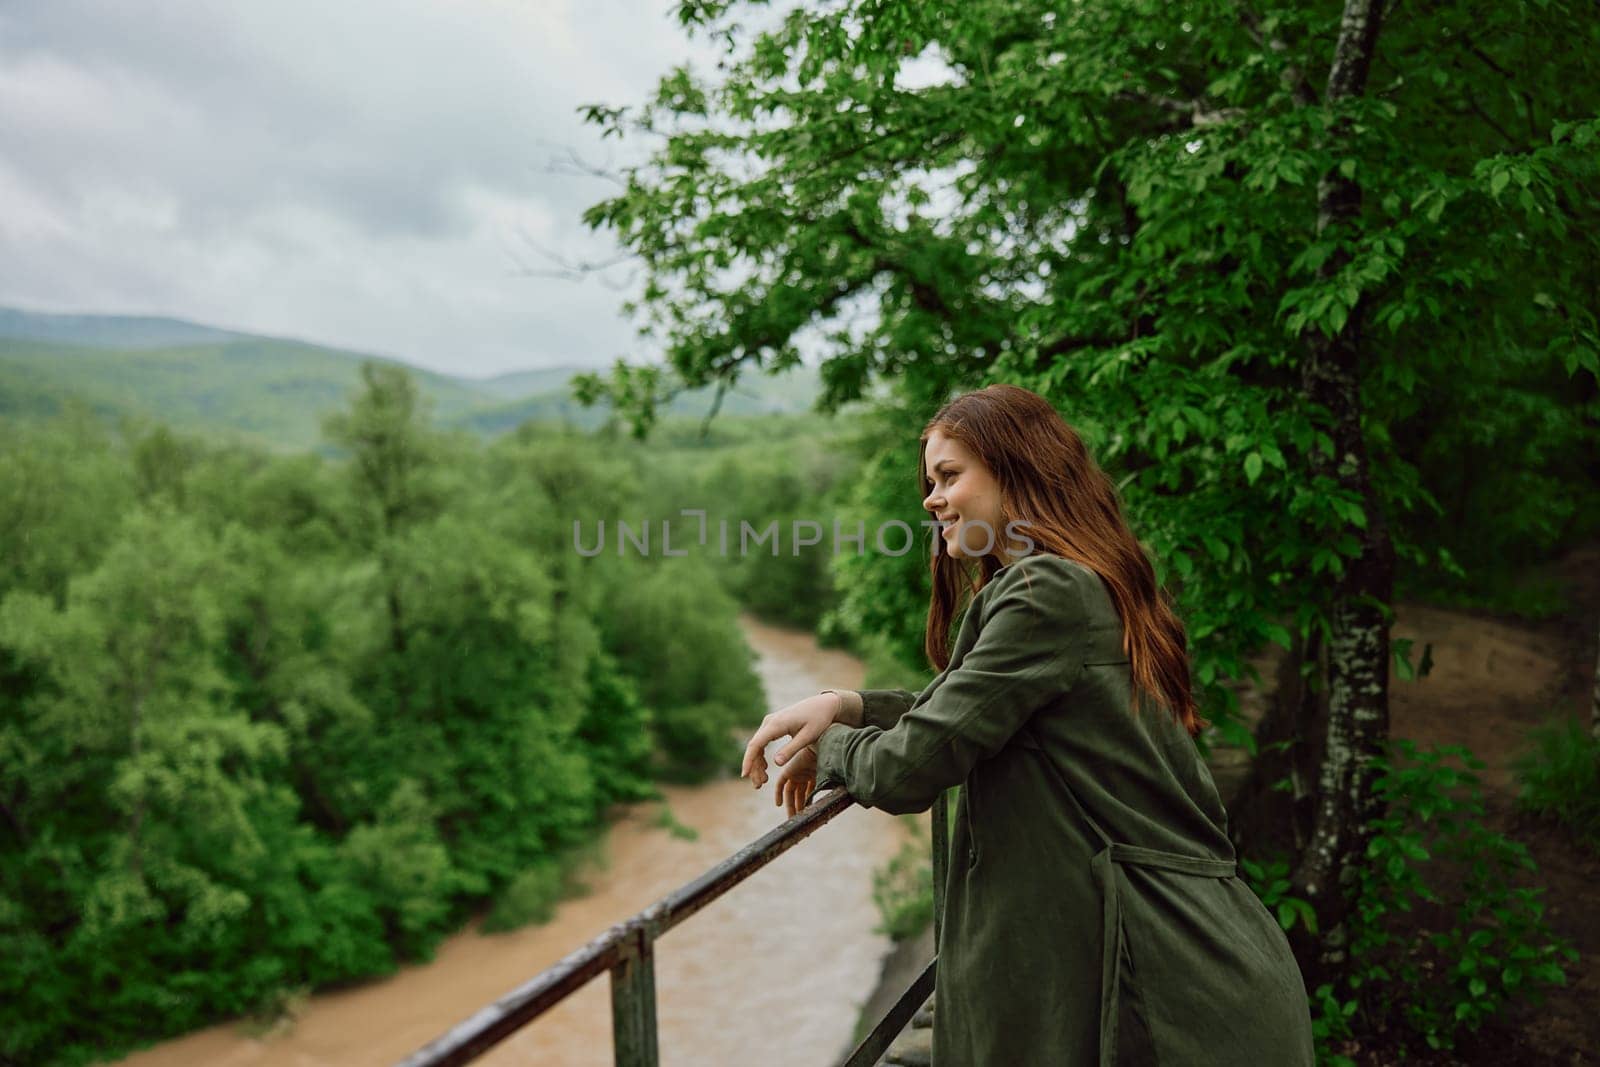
633, 998
627, 951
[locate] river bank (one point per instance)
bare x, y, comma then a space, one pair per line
735, 983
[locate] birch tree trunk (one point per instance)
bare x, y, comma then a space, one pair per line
1594, 702
1357, 721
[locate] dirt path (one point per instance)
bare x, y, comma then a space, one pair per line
1493, 680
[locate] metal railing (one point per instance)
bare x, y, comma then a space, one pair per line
627, 951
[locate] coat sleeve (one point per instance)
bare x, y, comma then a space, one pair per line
1026, 654
874, 707
883, 707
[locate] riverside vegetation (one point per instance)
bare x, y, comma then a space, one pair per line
278, 723
272, 723
1316, 282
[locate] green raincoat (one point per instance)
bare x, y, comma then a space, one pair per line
1093, 916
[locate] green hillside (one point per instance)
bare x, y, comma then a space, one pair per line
790, 393
108, 331
271, 392
516, 385
276, 392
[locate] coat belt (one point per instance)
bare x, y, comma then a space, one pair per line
1111, 941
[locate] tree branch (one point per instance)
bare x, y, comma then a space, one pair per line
576, 165
1196, 113
1293, 77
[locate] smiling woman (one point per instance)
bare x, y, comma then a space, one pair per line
967, 502
1093, 913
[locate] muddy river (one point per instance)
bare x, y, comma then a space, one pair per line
773, 973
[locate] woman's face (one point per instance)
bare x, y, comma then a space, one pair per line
965, 496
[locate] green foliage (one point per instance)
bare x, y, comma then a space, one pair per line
699, 701
669, 822
62, 490
1560, 778
403, 867
618, 730
530, 898
886, 671
1435, 958
533, 895
1503, 590
902, 889
755, 472
766, 483
1270, 882
758, 402
885, 596
1443, 936
1331, 1026
270, 723
1116, 205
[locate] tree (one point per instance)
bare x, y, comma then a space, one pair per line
1234, 243
395, 484
143, 793
269, 723
1357, 722
1594, 702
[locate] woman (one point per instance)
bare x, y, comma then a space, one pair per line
1092, 910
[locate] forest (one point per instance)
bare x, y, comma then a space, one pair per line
1317, 283
273, 723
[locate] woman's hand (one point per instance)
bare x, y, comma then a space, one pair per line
796, 782
803, 721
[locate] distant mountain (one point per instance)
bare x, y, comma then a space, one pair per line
525, 383
271, 392
276, 392
790, 393
107, 331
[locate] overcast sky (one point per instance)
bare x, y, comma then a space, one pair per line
361, 174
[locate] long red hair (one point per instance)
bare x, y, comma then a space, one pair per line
1071, 509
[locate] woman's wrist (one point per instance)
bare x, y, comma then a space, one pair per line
848, 710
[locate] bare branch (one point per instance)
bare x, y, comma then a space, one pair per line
575, 165
1472, 102
569, 270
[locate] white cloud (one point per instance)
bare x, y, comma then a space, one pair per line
360, 174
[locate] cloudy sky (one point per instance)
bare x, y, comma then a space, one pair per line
366, 174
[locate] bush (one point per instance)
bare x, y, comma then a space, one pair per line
1421, 964
669, 822
1560, 778
530, 898
902, 889
533, 895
